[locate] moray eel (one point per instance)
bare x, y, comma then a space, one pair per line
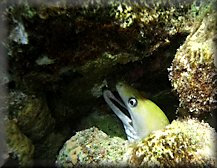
145, 116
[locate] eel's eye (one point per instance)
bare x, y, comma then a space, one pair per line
132, 102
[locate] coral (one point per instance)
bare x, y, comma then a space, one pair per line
66, 52
193, 71
124, 15
32, 114
66, 40
19, 145
183, 143
148, 13
92, 147
87, 43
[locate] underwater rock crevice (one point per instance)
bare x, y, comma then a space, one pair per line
67, 54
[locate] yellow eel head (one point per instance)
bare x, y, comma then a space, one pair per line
145, 116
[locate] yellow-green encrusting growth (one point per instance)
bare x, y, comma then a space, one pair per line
18, 144
29, 109
193, 71
147, 13
183, 143
92, 148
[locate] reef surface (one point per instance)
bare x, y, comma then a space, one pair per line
62, 54
183, 143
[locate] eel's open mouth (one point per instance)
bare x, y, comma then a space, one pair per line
119, 108
115, 102
119, 103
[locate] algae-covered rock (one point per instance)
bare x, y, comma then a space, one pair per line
183, 143
92, 148
65, 52
19, 145
32, 114
59, 48
193, 73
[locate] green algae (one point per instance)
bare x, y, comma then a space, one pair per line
32, 115
19, 144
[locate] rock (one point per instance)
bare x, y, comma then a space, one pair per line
183, 143
92, 147
60, 48
193, 73
31, 113
64, 52
20, 146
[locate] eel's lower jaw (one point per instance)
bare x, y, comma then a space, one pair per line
127, 122
116, 100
